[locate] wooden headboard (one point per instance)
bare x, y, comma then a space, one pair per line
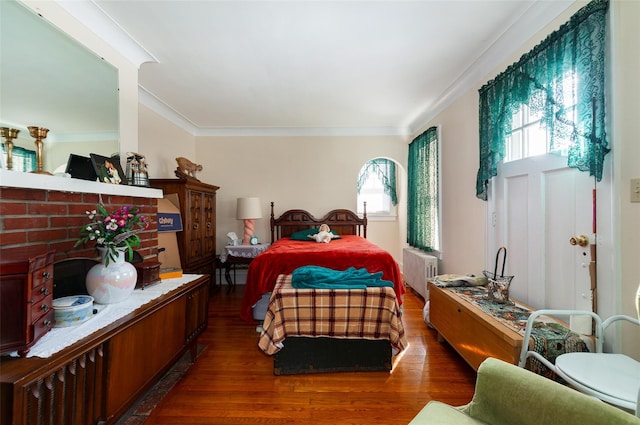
343, 222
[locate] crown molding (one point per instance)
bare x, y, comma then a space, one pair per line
304, 131
150, 101
97, 20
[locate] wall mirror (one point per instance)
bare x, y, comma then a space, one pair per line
48, 79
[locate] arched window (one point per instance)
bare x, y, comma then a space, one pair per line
377, 187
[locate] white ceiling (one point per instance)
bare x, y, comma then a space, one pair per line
316, 67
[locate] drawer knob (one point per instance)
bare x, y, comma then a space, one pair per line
47, 323
44, 291
195, 226
46, 275
44, 307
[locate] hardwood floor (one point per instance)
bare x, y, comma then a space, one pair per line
232, 381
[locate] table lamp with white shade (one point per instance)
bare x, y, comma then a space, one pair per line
248, 209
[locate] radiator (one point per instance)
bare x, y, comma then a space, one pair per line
418, 267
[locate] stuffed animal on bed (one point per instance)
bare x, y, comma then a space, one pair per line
324, 234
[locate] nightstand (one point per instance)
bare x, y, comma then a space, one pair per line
239, 255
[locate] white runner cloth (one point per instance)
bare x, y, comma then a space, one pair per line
59, 338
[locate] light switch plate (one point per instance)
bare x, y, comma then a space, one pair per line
635, 190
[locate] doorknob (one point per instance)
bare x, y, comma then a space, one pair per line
581, 240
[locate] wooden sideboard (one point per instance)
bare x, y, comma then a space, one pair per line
197, 240
95, 380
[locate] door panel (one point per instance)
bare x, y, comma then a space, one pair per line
516, 190
567, 214
538, 205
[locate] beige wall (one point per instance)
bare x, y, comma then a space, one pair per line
463, 227
161, 142
624, 134
313, 173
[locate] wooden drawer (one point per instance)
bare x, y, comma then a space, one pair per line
42, 326
41, 307
42, 291
41, 274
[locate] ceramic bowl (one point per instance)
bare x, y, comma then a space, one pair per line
72, 310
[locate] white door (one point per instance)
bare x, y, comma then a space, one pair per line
536, 206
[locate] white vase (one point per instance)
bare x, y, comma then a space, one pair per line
113, 283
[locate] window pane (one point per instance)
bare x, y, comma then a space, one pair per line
514, 146
536, 140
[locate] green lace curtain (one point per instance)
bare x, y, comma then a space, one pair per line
423, 220
562, 78
385, 170
21, 159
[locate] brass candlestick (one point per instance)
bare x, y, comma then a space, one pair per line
39, 133
9, 134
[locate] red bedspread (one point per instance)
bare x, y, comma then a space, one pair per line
286, 255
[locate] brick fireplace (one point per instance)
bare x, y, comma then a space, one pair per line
33, 221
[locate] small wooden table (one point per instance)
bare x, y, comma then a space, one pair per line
233, 256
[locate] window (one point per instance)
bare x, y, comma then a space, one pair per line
528, 137
529, 134
423, 198
560, 84
377, 187
21, 159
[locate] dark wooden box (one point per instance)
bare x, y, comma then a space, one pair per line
302, 355
148, 273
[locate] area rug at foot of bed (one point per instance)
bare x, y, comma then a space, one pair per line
303, 355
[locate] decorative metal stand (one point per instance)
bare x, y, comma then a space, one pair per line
39, 133
9, 134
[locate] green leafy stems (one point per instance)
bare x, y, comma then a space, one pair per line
114, 231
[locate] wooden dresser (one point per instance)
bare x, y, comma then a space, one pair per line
26, 294
95, 380
197, 241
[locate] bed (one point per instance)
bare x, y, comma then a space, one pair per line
331, 330
284, 255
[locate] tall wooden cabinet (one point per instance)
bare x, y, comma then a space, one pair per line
197, 241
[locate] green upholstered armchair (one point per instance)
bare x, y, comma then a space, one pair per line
506, 394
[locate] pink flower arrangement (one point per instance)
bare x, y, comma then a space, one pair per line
114, 231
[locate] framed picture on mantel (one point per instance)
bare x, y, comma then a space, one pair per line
108, 169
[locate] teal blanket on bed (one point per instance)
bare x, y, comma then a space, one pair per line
316, 277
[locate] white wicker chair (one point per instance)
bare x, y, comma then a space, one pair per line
613, 378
